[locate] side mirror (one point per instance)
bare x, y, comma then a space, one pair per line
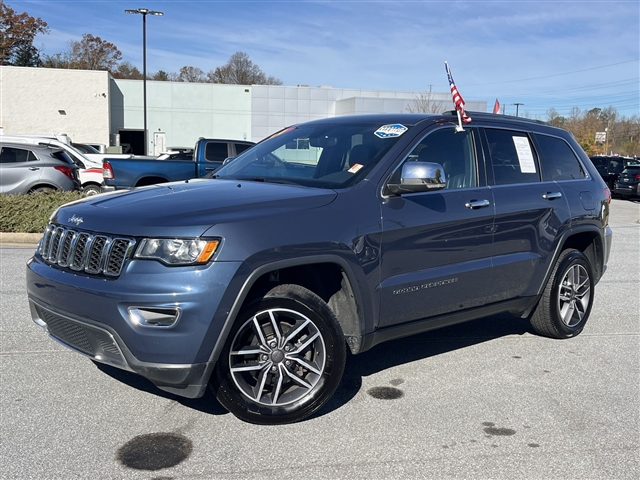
419, 177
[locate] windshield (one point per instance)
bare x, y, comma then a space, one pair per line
315, 155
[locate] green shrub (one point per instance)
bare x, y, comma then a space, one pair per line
30, 213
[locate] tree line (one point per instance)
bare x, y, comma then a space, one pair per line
18, 31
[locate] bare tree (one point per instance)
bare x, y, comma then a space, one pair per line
90, 53
240, 70
17, 32
191, 75
425, 103
93, 53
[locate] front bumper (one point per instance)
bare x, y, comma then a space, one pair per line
105, 346
90, 314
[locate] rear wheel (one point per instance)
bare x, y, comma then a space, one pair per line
42, 190
91, 189
284, 358
566, 301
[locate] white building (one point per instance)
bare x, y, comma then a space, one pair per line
93, 107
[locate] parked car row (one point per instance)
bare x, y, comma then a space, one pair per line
628, 183
614, 170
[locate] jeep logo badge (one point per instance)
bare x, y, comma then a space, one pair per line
76, 220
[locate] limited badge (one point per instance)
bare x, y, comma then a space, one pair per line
390, 131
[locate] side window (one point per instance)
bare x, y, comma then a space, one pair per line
216, 152
241, 147
453, 150
512, 157
16, 155
558, 160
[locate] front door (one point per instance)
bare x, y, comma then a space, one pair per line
436, 246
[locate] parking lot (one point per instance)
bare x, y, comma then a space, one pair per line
486, 399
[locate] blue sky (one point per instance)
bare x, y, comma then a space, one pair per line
543, 54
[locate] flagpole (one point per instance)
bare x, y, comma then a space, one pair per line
459, 126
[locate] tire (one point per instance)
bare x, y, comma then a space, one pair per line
284, 375
91, 189
566, 301
43, 190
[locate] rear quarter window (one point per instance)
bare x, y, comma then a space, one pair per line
558, 160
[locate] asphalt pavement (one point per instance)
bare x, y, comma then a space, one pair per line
485, 399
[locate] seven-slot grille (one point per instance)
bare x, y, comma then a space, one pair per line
82, 251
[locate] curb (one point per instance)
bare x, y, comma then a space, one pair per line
22, 239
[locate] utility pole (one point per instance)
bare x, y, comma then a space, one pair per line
517, 105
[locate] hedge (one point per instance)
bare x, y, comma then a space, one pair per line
30, 213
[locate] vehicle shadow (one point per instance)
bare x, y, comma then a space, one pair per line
379, 358
206, 404
420, 347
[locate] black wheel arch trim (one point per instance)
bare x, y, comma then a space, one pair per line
598, 268
269, 267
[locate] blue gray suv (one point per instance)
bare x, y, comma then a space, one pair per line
329, 235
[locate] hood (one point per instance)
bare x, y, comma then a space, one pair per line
186, 209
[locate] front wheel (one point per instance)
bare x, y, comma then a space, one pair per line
566, 301
284, 358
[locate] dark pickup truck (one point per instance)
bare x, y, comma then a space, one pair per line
330, 235
208, 155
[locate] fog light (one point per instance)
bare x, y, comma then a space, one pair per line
154, 317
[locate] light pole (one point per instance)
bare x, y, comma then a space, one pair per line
144, 12
517, 105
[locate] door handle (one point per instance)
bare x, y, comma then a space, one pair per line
473, 204
552, 195
210, 168
33, 169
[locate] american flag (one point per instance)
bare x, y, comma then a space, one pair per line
458, 101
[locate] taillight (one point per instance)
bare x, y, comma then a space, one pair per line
68, 171
607, 194
637, 177
107, 171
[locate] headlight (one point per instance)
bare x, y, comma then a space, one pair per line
177, 251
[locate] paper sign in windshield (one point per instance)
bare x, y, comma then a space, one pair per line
390, 131
525, 155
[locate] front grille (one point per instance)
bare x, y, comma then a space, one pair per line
83, 251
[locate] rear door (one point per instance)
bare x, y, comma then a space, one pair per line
436, 246
530, 213
20, 169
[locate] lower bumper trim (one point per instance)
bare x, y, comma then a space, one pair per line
102, 345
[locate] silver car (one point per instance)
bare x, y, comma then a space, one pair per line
26, 168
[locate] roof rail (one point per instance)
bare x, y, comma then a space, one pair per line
496, 116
